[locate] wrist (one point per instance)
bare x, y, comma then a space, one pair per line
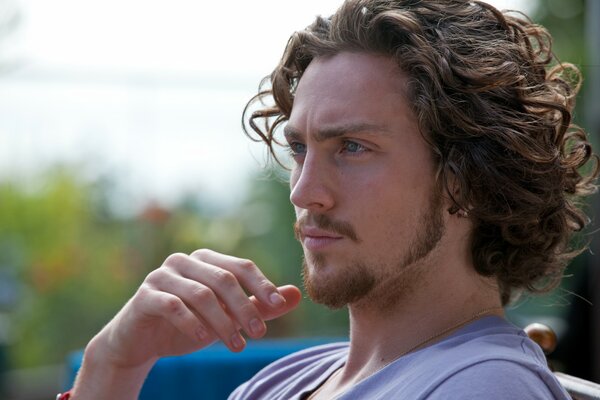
102, 376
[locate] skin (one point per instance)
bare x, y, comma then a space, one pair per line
360, 159
179, 309
363, 175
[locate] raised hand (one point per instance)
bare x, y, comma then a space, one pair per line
185, 305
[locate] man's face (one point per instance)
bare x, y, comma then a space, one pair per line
363, 183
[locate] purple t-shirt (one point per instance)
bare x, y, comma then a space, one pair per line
488, 359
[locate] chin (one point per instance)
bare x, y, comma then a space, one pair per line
337, 286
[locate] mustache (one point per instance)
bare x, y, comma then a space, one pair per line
325, 223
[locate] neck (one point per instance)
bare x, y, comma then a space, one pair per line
437, 306
416, 307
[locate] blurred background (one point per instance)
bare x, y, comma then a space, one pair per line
121, 142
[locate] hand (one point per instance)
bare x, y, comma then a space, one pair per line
187, 304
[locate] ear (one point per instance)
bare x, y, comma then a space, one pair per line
454, 188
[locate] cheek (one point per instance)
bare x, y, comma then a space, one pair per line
372, 200
382, 201
374, 186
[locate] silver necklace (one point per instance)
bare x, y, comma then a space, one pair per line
473, 317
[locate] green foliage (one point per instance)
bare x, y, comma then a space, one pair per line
564, 21
67, 260
78, 262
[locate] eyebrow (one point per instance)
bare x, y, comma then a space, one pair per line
292, 133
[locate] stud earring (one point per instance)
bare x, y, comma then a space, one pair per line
463, 213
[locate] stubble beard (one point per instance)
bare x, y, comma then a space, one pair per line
381, 286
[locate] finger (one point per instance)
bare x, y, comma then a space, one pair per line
222, 282
292, 297
248, 274
173, 310
228, 290
204, 302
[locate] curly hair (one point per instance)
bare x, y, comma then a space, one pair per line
495, 105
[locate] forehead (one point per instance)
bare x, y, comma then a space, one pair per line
350, 88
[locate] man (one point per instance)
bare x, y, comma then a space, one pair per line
435, 174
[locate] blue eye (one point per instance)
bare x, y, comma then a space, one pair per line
353, 147
297, 148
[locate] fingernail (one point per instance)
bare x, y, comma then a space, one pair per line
256, 327
237, 341
276, 299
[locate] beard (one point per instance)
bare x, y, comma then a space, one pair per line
357, 281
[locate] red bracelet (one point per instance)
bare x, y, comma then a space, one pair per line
64, 396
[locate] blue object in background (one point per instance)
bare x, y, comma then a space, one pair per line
209, 374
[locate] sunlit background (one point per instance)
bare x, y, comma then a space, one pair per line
150, 92
121, 142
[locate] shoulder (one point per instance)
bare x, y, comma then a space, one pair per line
495, 360
489, 359
499, 379
294, 373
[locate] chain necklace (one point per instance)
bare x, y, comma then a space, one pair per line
472, 318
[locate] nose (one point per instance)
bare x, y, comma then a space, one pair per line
311, 185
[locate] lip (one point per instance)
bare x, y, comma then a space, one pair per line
315, 239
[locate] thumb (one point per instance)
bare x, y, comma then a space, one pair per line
292, 296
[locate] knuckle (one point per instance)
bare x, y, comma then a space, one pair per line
225, 278
154, 277
202, 295
172, 305
248, 266
201, 254
143, 292
175, 260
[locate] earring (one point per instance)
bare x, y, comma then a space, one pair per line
462, 213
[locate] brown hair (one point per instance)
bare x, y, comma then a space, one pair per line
495, 105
